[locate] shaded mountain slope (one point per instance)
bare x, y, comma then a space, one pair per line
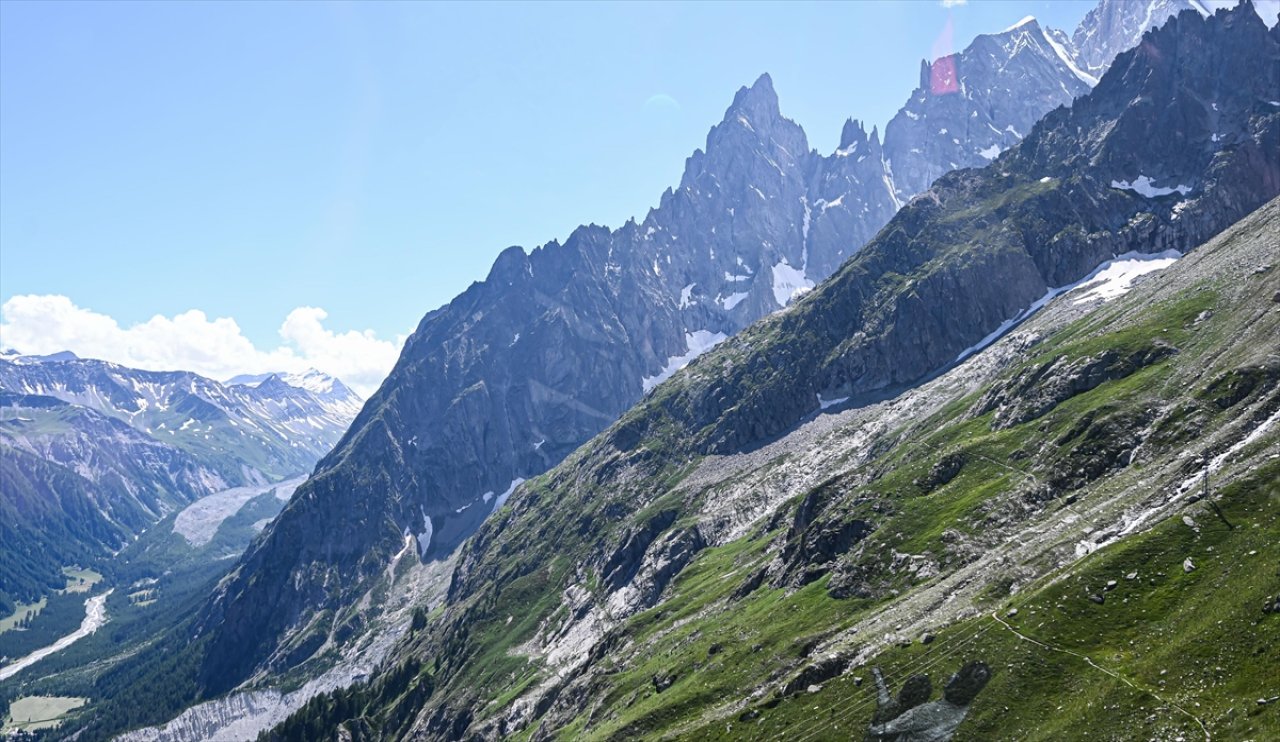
1041, 217
49, 517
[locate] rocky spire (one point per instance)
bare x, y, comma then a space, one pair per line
758, 102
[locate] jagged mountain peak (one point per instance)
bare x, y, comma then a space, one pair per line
973, 104
756, 100
1207, 110
1026, 21
1116, 25
855, 132
312, 380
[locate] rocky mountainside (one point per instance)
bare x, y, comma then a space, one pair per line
49, 517
1116, 25
971, 106
705, 548
103, 451
1069, 548
555, 344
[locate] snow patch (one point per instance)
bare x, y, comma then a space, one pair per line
686, 295
1144, 186
732, 300
825, 403
1116, 277
1020, 24
1055, 292
424, 538
697, 342
788, 282
1066, 59
990, 152
502, 499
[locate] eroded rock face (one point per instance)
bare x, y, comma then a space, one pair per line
1038, 390
664, 559
625, 561
816, 673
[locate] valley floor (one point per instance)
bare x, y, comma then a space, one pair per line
95, 616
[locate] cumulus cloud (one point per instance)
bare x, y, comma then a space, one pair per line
191, 341
952, 3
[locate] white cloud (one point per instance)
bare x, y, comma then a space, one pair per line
191, 341
952, 3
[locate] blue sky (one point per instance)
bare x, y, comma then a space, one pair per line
245, 160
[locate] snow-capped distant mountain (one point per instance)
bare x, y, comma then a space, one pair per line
92, 453
333, 395
235, 433
14, 356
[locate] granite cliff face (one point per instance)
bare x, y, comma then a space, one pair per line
971, 106
556, 343
1115, 26
552, 347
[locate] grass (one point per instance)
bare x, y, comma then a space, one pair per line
1154, 626
80, 580
1197, 641
713, 648
33, 713
710, 646
23, 610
